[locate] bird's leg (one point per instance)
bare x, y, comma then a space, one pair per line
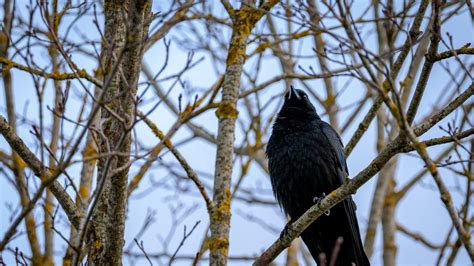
317, 200
287, 228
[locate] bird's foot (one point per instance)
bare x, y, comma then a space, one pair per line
317, 200
287, 229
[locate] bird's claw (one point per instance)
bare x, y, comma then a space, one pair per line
317, 200
286, 230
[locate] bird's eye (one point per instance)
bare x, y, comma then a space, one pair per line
305, 96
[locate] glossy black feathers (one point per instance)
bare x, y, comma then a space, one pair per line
306, 159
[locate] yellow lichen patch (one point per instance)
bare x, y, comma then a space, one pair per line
205, 245
253, 148
30, 223
329, 100
245, 167
390, 200
96, 247
97, 244
84, 192
467, 236
370, 233
52, 49
20, 163
62, 76
405, 82
390, 246
227, 110
3, 38
167, 141
90, 153
218, 244
432, 168
5, 64
98, 72
249, 15
134, 183
49, 206
234, 54
67, 262
300, 34
36, 260
158, 133
262, 46
90, 150
422, 145
245, 29
55, 171
241, 29
82, 73
258, 138
47, 261
187, 110
222, 210
385, 86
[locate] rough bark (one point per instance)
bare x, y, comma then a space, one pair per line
227, 114
243, 21
126, 28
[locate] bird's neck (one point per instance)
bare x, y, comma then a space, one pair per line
301, 123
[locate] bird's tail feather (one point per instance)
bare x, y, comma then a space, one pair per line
349, 252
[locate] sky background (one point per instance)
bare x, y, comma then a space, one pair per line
421, 210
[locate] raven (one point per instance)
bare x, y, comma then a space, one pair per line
306, 161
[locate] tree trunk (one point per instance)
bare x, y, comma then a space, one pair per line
227, 114
243, 21
126, 28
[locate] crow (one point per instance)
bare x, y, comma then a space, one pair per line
306, 161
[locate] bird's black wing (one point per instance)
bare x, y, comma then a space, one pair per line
336, 145
349, 205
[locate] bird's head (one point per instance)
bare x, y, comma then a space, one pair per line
297, 106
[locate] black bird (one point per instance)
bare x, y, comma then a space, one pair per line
307, 161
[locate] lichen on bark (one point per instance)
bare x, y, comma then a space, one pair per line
243, 21
126, 28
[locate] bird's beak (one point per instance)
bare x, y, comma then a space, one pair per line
293, 91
